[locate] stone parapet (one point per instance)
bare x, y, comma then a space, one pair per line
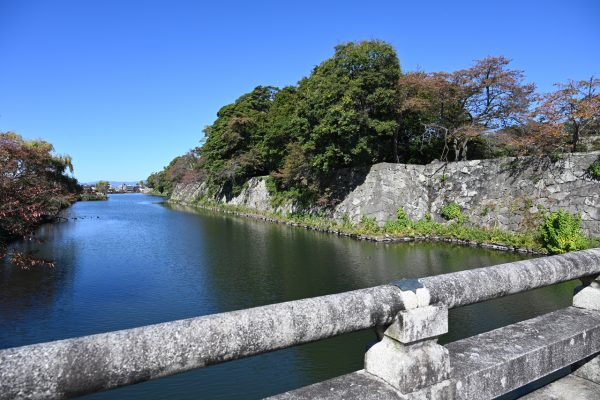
417, 314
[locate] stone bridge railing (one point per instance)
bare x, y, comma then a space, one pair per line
407, 363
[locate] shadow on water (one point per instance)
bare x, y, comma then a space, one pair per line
131, 261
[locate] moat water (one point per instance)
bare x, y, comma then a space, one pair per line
132, 261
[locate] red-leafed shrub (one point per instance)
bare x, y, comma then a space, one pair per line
34, 187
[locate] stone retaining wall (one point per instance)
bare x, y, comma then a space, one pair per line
509, 193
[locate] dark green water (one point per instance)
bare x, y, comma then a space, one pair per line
132, 261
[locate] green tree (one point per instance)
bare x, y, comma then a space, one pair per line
348, 107
232, 151
283, 127
102, 187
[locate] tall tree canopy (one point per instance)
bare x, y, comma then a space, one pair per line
571, 111
348, 105
233, 150
463, 105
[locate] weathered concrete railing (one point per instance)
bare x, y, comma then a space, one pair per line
412, 313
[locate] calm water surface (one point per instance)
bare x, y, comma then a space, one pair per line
132, 261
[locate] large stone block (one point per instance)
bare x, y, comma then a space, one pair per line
408, 368
419, 324
588, 297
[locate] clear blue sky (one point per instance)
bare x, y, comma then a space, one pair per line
125, 86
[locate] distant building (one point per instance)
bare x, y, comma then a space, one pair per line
114, 188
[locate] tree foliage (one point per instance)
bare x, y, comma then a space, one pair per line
458, 108
235, 149
571, 111
357, 108
559, 120
34, 187
182, 169
348, 107
102, 187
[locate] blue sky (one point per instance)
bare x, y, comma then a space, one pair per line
125, 86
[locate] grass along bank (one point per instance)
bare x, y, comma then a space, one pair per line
402, 229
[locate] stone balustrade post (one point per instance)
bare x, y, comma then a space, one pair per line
587, 296
408, 356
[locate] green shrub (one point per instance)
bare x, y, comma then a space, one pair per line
401, 225
452, 212
554, 157
393, 227
271, 185
402, 218
368, 225
594, 170
427, 226
561, 232
92, 197
346, 223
